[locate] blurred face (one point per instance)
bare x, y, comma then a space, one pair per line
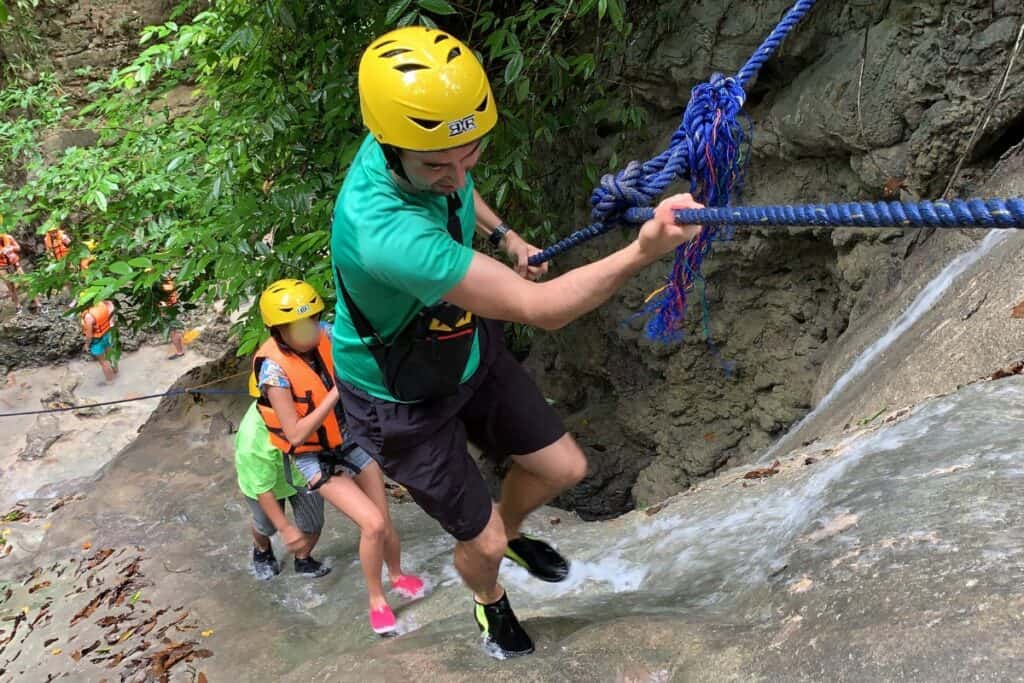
441, 172
302, 335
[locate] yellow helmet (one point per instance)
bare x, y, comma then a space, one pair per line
286, 301
423, 90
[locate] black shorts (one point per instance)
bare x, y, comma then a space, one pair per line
424, 446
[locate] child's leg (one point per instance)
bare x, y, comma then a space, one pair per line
179, 347
259, 540
343, 493
12, 291
371, 482
108, 371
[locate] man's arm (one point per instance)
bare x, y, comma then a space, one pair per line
486, 219
491, 290
518, 250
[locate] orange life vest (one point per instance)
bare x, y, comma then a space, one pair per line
101, 320
54, 242
8, 259
308, 391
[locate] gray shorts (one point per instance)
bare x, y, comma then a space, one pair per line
354, 462
307, 506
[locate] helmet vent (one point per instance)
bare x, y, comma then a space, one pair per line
383, 44
483, 104
455, 52
425, 123
394, 53
406, 68
441, 38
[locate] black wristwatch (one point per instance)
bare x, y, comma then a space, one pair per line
497, 235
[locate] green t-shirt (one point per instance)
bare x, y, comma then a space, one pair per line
397, 257
260, 466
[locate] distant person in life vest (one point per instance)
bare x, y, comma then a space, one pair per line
167, 304
97, 325
58, 245
298, 400
10, 266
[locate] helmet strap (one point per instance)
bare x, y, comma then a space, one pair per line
394, 161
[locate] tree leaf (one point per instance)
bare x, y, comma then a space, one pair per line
140, 262
120, 267
436, 6
514, 67
396, 10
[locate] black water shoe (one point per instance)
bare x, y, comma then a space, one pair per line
311, 568
264, 564
504, 637
538, 558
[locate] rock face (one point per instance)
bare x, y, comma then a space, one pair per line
790, 308
82, 40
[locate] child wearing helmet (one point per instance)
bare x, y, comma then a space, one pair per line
298, 399
266, 486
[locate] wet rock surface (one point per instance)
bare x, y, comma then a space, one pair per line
901, 531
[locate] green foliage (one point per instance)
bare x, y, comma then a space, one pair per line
18, 38
270, 125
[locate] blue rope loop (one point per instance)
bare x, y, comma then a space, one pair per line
616, 191
708, 146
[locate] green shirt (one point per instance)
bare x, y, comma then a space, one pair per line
397, 257
260, 466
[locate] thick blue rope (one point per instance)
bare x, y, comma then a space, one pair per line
955, 213
710, 147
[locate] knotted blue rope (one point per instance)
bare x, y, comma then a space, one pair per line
710, 147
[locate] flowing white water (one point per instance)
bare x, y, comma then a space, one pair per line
923, 303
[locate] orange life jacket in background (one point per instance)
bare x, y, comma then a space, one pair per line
168, 292
101, 320
308, 391
8, 259
54, 243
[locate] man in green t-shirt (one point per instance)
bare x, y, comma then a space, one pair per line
420, 374
263, 481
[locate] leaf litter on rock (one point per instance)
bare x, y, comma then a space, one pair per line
764, 472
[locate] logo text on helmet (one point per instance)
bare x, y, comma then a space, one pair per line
304, 308
461, 126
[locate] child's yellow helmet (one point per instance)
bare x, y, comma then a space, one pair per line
423, 90
286, 301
